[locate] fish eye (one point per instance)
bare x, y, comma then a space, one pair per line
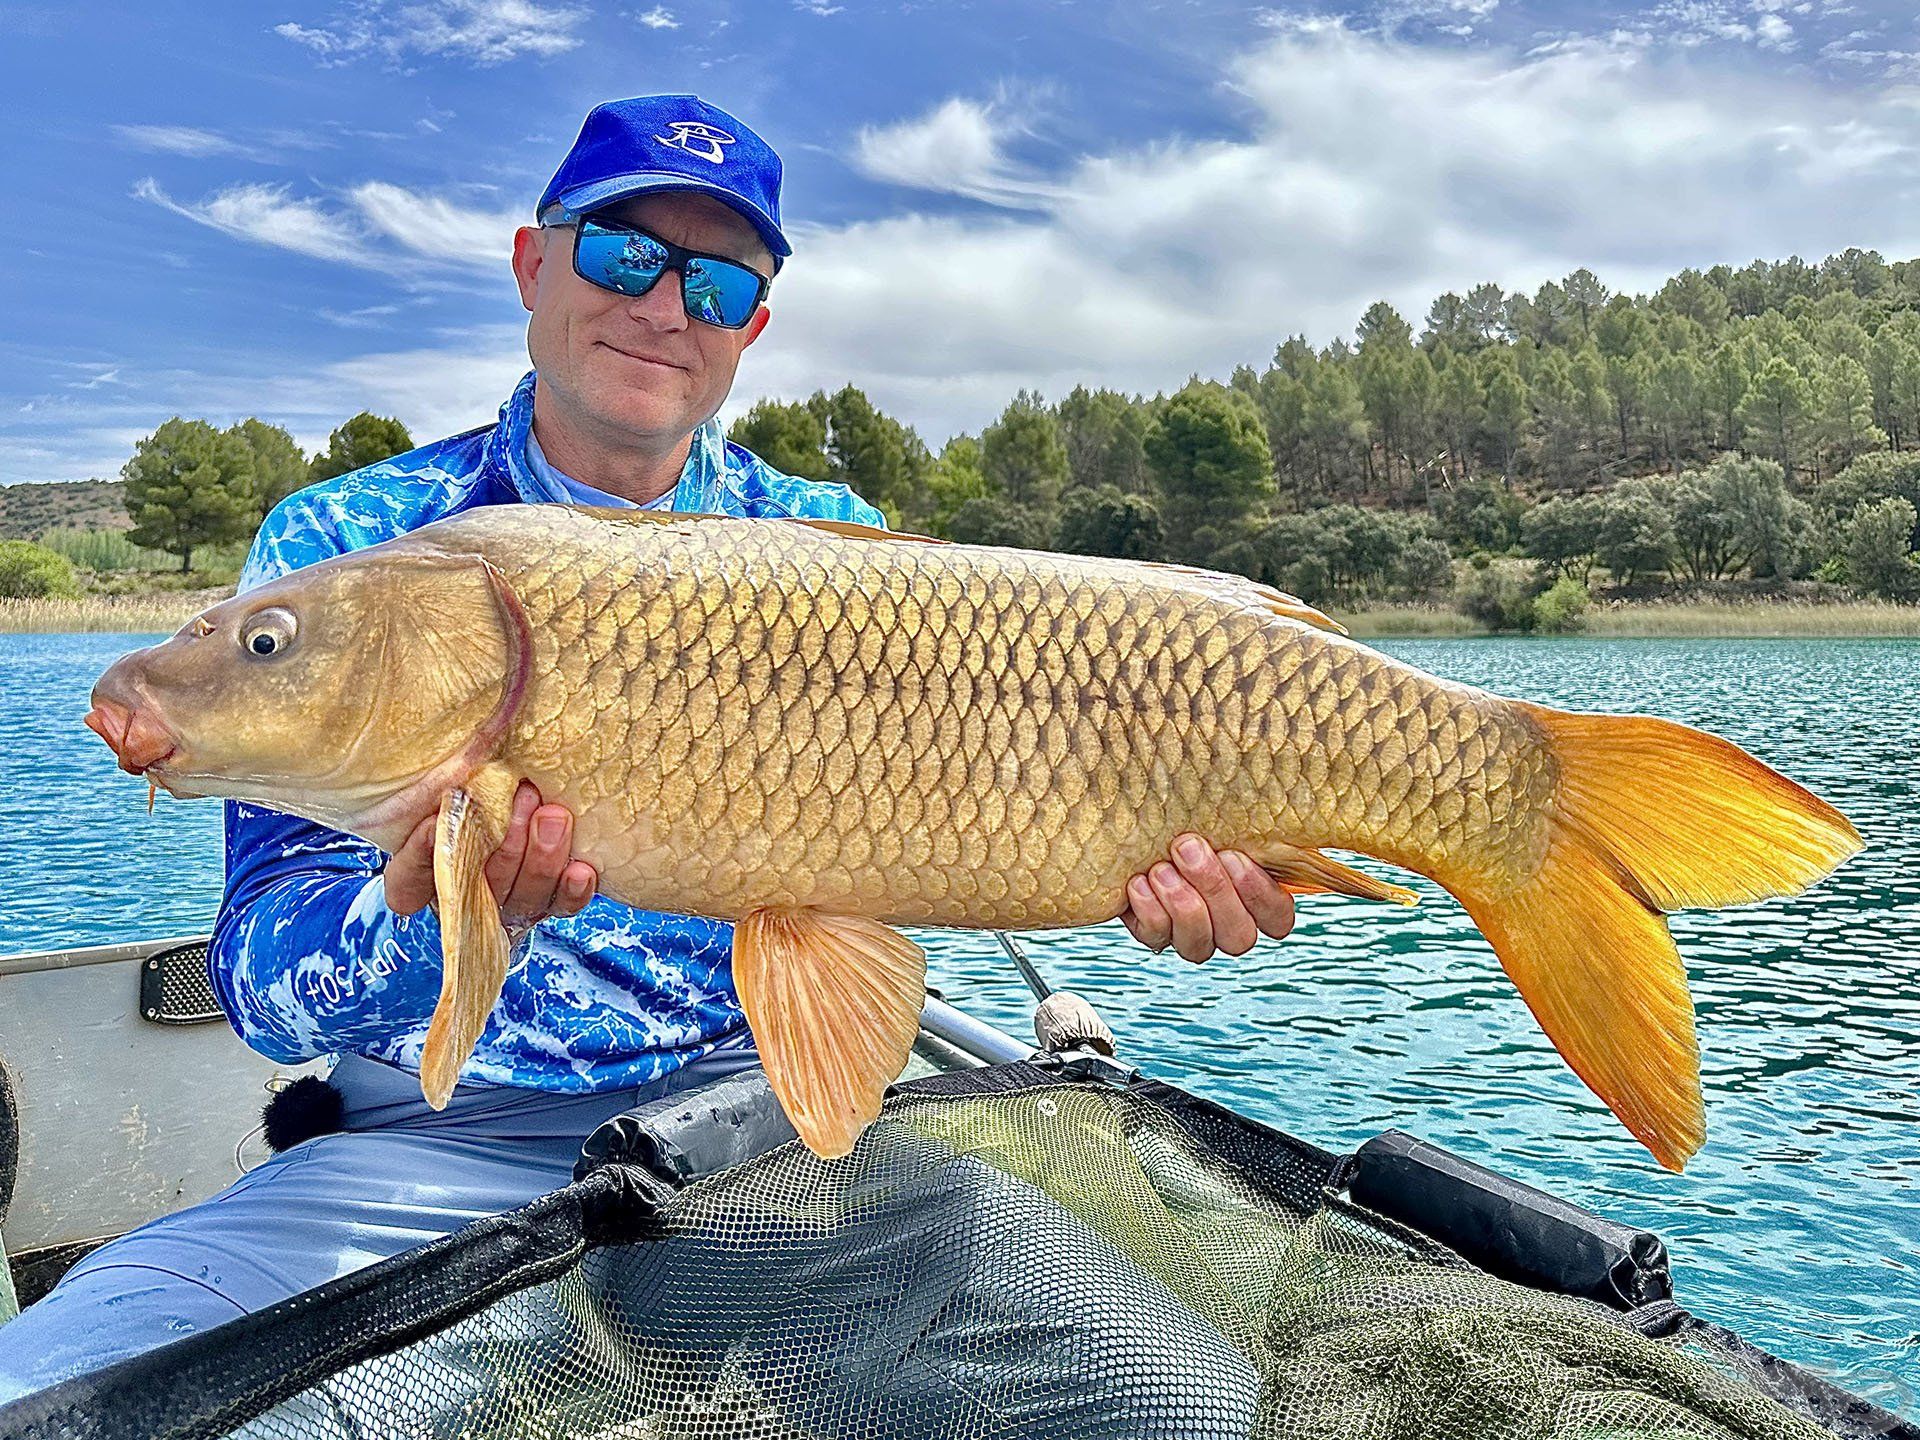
268, 633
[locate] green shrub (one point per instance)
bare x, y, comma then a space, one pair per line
1562, 608
1496, 598
1879, 558
1425, 567
33, 572
996, 520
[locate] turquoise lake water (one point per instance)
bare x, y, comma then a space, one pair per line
1799, 1224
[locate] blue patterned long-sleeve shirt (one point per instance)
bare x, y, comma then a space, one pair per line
308, 959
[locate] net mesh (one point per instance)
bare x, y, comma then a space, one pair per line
1061, 1261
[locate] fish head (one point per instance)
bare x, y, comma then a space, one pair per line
331, 692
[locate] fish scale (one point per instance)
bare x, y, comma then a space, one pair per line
820, 731
1053, 730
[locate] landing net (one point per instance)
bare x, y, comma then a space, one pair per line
1006, 1253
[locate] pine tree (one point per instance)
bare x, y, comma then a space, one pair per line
1023, 457
1724, 385
790, 437
1586, 297
1211, 466
1508, 409
1845, 412
189, 485
873, 454
1773, 415
1459, 405
279, 468
365, 439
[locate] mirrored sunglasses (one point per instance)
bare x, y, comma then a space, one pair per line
630, 261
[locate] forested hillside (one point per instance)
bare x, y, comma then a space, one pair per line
1756, 424
29, 511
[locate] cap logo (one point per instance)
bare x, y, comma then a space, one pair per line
697, 139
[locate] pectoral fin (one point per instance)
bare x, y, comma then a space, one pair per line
1311, 872
473, 944
834, 1002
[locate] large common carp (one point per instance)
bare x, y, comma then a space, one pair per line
819, 731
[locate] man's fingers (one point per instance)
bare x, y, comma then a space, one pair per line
577, 884
408, 877
1270, 906
1192, 926
1145, 917
549, 848
503, 869
1231, 928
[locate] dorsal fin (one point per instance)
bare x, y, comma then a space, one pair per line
848, 529
853, 530
1252, 592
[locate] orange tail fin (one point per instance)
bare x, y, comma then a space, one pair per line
1650, 816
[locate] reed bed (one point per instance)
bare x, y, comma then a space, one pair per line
1861, 619
160, 613
1703, 619
1379, 622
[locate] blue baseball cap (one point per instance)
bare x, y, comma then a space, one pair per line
670, 142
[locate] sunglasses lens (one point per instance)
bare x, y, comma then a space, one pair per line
721, 293
618, 260
627, 262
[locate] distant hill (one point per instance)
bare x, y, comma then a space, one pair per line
29, 510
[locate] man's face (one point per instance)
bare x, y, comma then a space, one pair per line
636, 366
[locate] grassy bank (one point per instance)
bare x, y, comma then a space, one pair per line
1754, 619
163, 611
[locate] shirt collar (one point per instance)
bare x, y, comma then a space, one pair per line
703, 479
578, 492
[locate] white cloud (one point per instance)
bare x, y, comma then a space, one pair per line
1691, 23
437, 228
955, 148
489, 31
382, 225
366, 317
180, 140
1452, 17
334, 46
818, 7
659, 18
485, 32
270, 215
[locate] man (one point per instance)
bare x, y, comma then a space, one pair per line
645, 281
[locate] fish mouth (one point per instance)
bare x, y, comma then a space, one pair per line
139, 741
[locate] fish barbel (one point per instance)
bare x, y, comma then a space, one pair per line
820, 732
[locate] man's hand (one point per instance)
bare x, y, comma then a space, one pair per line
1205, 901
532, 875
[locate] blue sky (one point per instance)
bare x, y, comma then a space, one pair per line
302, 210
